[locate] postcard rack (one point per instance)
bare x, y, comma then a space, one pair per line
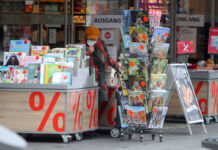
141, 98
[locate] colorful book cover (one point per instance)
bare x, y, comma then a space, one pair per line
136, 116
137, 83
39, 50
139, 18
49, 69
32, 60
126, 21
138, 50
154, 18
20, 75
125, 37
58, 51
157, 99
33, 74
137, 98
124, 119
14, 58
159, 66
158, 81
52, 58
160, 50
157, 118
61, 78
20, 46
73, 54
137, 67
160, 35
213, 37
185, 47
6, 74
82, 46
138, 34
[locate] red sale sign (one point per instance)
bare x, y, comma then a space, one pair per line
185, 47
213, 39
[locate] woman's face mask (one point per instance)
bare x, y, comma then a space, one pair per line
91, 42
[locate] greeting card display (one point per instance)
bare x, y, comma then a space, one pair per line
154, 19
73, 54
185, 47
137, 83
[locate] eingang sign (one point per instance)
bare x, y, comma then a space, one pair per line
190, 20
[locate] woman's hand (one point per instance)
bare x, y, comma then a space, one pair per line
91, 49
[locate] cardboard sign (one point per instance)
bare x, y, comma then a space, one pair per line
185, 47
213, 38
190, 20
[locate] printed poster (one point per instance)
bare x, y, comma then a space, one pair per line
185, 47
213, 37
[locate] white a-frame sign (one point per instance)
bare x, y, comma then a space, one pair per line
178, 77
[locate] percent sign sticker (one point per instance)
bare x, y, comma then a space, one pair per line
48, 111
201, 102
90, 105
214, 92
75, 107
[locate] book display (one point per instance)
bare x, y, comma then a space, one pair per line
33, 64
143, 75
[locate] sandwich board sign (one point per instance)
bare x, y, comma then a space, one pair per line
184, 87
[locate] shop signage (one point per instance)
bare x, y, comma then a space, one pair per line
107, 21
185, 47
186, 93
108, 36
190, 20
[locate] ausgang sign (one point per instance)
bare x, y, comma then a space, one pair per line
190, 20
107, 21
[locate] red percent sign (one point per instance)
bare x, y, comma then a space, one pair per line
214, 92
48, 111
111, 110
90, 105
202, 101
75, 107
